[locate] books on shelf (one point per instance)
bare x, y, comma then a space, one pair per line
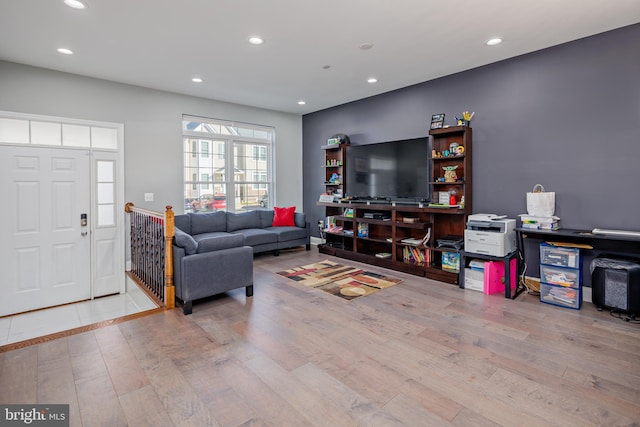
411, 241
550, 226
424, 241
363, 229
330, 222
415, 255
383, 255
410, 220
540, 222
451, 261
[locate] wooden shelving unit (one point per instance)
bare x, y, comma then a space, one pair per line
406, 221
335, 161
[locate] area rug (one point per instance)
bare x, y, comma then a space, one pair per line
340, 280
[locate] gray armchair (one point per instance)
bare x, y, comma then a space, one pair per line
210, 267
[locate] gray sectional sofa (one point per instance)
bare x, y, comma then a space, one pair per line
213, 251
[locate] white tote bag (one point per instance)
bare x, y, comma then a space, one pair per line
540, 202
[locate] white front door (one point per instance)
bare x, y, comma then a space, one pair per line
45, 249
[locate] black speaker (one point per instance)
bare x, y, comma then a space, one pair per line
616, 284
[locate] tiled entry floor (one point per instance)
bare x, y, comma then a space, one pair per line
21, 327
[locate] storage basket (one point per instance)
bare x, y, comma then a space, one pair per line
532, 285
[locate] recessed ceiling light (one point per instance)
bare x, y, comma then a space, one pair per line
372, 80
302, 102
197, 80
326, 67
76, 4
255, 40
494, 41
366, 46
65, 51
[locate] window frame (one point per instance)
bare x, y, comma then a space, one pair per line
232, 135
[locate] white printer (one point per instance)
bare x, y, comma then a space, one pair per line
490, 234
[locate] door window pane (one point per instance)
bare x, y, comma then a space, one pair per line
104, 137
46, 133
105, 192
15, 131
76, 136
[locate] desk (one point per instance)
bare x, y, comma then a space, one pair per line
603, 242
507, 271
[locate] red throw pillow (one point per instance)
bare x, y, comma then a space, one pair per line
283, 217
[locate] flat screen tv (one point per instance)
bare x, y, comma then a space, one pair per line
395, 170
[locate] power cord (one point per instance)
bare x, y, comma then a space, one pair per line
321, 229
631, 318
522, 282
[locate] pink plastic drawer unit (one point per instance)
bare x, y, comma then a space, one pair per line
494, 280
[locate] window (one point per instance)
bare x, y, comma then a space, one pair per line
259, 153
18, 128
205, 181
232, 170
259, 177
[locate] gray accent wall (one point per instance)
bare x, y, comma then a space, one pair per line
567, 117
152, 128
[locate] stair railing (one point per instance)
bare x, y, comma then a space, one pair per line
151, 251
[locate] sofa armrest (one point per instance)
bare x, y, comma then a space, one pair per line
215, 272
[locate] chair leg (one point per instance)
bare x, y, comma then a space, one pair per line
249, 290
308, 246
187, 307
276, 252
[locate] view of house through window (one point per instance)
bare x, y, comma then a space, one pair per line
227, 166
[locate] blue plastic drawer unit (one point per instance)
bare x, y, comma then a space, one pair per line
562, 296
559, 256
560, 276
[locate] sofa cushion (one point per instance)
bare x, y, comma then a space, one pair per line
208, 222
198, 237
185, 241
283, 217
266, 217
220, 242
288, 233
257, 236
300, 219
183, 222
242, 220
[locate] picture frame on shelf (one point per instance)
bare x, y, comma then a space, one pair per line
437, 121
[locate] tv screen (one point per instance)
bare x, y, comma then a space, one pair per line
397, 170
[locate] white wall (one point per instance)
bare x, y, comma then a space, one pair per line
152, 128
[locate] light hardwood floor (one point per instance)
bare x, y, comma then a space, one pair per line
421, 353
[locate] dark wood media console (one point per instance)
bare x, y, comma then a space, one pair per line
390, 235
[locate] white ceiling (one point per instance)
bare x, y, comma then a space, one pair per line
162, 44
